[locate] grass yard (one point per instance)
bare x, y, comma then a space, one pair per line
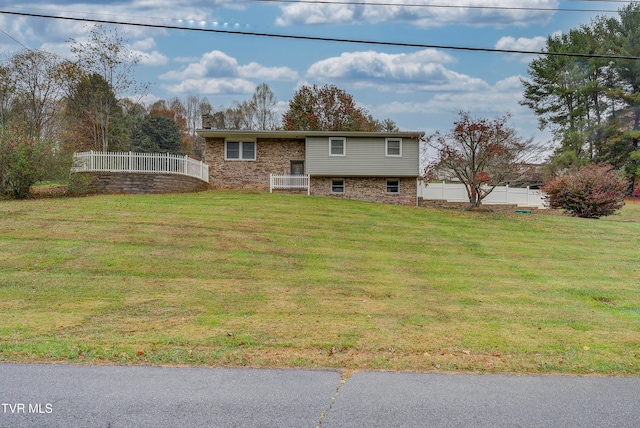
226, 278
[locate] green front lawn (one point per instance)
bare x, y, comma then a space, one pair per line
256, 279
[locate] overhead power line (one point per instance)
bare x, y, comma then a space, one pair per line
320, 39
15, 40
601, 1
435, 6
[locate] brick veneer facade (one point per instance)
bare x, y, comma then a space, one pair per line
273, 156
372, 189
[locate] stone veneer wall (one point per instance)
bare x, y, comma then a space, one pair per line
129, 182
273, 156
372, 189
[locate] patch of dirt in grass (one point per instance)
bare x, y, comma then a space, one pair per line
48, 192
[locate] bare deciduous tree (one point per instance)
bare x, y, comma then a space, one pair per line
107, 54
39, 82
263, 103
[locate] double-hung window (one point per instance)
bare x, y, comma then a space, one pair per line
393, 147
240, 150
393, 185
337, 146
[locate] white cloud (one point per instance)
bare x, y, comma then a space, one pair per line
153, 58
144, 44
521, 43
439, 110
147, 55
218, 73
186, 59
254, 70
499, 98
420, 71
493, 100
212, 86
211, 64
310, 14
535, 44
467, 12
54, 31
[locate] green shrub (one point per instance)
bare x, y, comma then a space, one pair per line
23, 162
80, 184
592, 191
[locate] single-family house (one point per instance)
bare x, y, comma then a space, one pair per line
370, 166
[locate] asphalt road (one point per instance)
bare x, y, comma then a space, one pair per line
109, 396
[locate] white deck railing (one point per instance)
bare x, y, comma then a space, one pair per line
456, 192
140, 162
288, 182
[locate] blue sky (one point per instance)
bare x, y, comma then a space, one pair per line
420, 89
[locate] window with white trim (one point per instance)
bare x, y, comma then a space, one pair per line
393, 147
393, 185
337, 146
240, 150
337, 185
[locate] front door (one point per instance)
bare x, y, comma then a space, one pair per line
297, 167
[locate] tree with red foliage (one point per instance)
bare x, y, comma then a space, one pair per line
593, 191
326, 108
481, 153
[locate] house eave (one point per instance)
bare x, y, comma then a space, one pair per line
226, 133
364, 175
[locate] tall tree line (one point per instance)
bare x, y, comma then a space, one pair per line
92, 102
591, 104
85, 103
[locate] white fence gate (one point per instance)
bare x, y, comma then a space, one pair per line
501, 195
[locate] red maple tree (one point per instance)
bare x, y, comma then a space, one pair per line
482, 154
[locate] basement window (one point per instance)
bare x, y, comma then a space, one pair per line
393, 185
337, 185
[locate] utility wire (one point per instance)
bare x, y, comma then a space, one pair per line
321, 39
601, 1
442, 6
15, 40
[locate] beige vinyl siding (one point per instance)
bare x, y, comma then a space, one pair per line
363, 157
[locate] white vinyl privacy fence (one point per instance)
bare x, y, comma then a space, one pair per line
164, 163
456, 192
